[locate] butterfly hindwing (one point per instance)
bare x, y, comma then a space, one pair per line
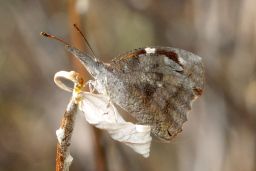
157, 86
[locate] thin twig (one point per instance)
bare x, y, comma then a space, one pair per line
63, 158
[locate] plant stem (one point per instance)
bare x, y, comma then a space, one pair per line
63, 158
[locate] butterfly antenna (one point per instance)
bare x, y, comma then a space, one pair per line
88, 44
53, 37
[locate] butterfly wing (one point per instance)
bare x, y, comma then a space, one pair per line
157, 86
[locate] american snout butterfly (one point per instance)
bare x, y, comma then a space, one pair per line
156, 85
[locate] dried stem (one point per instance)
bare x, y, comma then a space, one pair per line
63, 158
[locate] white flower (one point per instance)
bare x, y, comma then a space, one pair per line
101, 112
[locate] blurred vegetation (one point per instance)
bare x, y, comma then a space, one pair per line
220, 133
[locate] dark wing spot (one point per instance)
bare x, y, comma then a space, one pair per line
140, 52
170, 134
148, 90
170, 54
159, 76
198, 91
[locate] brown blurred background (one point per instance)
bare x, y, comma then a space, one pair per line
220, 133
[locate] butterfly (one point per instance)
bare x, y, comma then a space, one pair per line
156, 85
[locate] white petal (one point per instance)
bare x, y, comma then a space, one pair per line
100, 112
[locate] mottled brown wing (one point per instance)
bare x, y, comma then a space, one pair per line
157, 85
